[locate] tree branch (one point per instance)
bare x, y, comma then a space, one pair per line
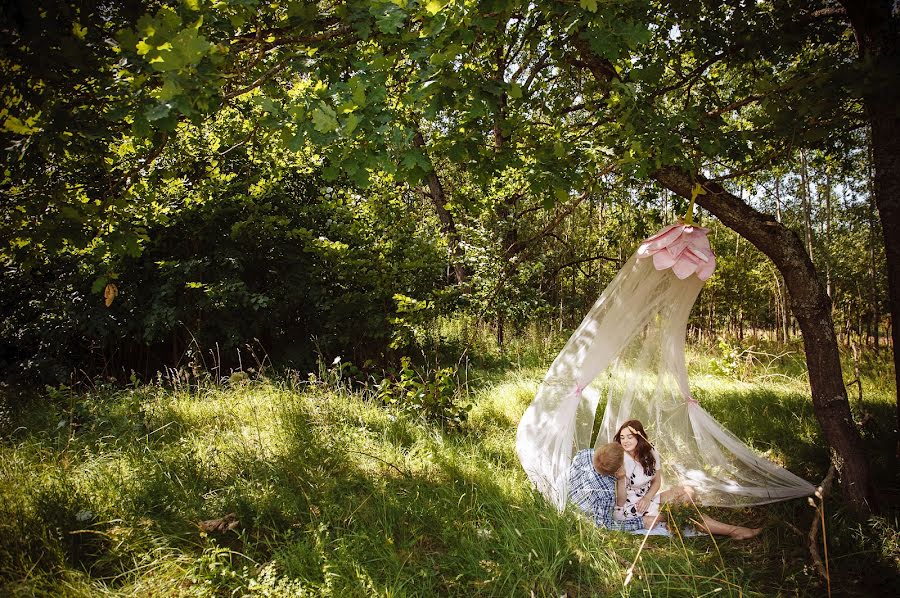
315, 38
756, 97
586, 259
321, 27
752, 169
279, 66
538, 67
690, 77
520, 246
155, 152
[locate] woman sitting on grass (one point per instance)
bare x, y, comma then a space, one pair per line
639, 480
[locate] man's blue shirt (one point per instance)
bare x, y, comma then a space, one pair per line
595, 494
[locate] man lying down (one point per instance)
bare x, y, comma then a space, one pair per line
592, 488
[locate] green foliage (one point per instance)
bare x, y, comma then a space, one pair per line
731, 363
127, 123
434, 394
299, 260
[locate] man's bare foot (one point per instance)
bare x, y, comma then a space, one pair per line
744, 533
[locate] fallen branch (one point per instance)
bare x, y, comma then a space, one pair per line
388, 463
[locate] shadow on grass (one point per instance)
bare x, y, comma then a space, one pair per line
342, 499
781, 421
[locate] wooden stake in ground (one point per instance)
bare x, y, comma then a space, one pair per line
821, 568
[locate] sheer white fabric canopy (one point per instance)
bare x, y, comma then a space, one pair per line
634, 336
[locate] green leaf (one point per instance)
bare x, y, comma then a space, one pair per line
303, 10
158, 111
187, 48
358, 88
351, 123
391, 20
99, 284
127, 38
515, 90
361, 178
331, 172
635, 34
15, 125
324, 119
191, 45
589, 5
296, 142
266, 104
143, 48
604, 43
432, 7
169, 90
141, 127
415, 160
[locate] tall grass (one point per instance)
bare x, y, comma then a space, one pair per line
102, 494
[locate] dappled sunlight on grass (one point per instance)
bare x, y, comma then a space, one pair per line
337, 494
502, 403
775, 419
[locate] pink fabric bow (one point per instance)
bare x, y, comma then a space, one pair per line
683, 248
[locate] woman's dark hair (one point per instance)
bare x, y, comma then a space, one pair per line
644, 450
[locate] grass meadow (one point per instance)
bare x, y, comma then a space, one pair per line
336, 493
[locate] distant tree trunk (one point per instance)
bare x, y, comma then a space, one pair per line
448, 225
507, 206
781, 308
873, 272
807, 204
777, 198
829, 285
782, 295
876, 26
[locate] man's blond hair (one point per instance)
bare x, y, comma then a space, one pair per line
608, 458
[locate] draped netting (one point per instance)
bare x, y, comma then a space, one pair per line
630, 350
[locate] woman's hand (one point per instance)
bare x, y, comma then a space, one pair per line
643, 504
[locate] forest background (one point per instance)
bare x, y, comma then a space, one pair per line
196, 192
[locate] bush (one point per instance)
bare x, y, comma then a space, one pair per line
301, 261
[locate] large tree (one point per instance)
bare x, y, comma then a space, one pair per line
528, 99
742, 87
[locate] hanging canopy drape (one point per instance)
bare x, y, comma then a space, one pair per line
630, 350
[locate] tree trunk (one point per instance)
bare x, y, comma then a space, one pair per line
448, 226
807, 204
873, 272
781, 310
886, 150
829, 284
812, 309
778, 198
876, 26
